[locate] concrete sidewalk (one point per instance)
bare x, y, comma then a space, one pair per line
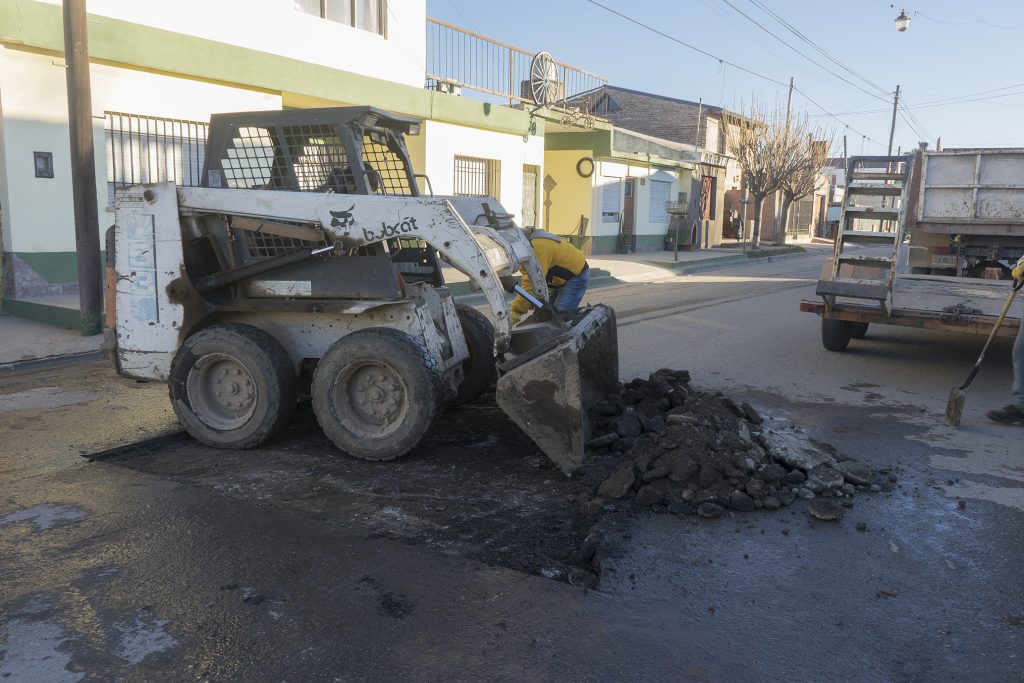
26, 344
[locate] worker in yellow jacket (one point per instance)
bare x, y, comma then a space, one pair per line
1014, 413
565, 268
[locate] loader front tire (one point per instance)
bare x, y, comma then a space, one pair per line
835, 334
232, 386
478, 372
376, 393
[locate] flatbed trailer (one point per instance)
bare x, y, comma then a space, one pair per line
953, 225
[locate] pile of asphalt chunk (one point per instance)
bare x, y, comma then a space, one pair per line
691, 452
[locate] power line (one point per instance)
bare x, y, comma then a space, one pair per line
732, 64
939, 103
784, 42
846, 125
685, 44
792, 29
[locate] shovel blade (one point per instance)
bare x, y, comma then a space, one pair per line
955, 407
549, 388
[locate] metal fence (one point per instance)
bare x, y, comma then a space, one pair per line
457, 58
151, 149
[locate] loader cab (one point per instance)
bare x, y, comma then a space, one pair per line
336, 150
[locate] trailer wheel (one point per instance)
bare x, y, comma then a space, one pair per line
858, 330
835, 334
479, 371
376, 393
232, 386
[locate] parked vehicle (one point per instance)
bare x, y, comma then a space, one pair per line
953, 225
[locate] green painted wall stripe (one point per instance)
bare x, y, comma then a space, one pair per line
37, 25
56, 267
67, 318
598, 141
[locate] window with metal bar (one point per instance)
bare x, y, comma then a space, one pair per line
476, 177
150, 149
368, 15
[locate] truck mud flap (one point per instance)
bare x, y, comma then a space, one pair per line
548, 388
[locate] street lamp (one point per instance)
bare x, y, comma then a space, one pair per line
902, 21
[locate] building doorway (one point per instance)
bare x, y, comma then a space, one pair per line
531, 178
627, 233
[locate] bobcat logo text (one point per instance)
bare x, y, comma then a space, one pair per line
403, 227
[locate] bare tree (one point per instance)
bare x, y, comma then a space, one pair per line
767, 153
812, 146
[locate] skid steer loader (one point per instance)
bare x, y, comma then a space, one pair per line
309, 261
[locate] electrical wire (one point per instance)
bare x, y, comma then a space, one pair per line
729, 63
814, 45
685, 44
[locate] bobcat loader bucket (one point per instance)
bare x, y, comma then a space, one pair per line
553, 374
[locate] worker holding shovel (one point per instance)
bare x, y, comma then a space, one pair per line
1014, 413
565, 268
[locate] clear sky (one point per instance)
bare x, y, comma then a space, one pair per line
960, 64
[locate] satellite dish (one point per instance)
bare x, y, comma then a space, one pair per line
544, 83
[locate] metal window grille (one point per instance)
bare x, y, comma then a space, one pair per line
254, 160
476, 177
150, 149
378, 155
319, 158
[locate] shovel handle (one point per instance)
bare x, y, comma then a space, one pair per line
991, 336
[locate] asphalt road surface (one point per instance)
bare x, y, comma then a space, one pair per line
169, 561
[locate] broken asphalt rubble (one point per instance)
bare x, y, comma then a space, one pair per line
689, 452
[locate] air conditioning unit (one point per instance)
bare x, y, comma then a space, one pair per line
448, 87
526, 91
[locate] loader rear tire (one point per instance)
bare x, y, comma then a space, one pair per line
835, 334
232, 386
478, 373
858, 330
376, 393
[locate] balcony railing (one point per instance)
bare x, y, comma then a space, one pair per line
457, 58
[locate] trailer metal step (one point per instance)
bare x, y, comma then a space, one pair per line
875, 190
878, 261
868, 175
864, 237
872, 214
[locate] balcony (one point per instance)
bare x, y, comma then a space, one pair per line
459, 60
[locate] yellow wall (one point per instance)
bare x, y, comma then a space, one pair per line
571, 197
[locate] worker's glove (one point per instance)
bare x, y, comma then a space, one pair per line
1018, 270
514, 318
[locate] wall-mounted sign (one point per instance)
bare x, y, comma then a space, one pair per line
44, 164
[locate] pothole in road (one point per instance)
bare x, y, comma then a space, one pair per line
477, 487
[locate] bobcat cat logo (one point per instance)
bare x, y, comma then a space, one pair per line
342, 219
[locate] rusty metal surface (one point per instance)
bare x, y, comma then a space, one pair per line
548, 396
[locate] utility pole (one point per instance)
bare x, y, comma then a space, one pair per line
83, 168
892, 128
779, 227
892, 132
789, 105
700, 112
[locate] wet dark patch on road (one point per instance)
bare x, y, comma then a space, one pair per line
477, 487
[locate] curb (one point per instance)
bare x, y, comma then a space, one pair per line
680, 268
30, 364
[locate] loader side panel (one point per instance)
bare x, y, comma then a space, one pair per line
148, 257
